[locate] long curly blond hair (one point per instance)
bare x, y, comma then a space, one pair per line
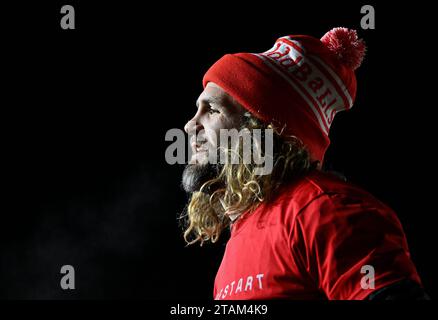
238, 189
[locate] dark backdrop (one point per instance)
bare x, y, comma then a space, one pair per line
85, 111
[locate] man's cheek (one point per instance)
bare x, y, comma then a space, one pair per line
212, 138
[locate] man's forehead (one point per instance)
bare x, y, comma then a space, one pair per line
213, 94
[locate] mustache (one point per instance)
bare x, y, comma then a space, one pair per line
196, 142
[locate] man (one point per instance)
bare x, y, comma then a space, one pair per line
296, 232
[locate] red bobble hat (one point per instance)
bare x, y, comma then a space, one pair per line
299, 84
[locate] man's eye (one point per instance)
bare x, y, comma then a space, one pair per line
211, 111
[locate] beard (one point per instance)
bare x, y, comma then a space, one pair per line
195, 175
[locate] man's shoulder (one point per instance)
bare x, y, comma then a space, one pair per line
321, 196
317, 184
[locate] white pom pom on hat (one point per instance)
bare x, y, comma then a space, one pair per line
346, 46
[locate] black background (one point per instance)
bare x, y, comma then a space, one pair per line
85, 111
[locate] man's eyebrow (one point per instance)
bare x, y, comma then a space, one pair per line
210, 100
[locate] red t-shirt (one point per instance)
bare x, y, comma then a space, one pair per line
312, 242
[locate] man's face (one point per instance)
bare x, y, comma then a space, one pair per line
215, 110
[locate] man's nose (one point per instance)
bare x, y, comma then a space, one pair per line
192, 127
